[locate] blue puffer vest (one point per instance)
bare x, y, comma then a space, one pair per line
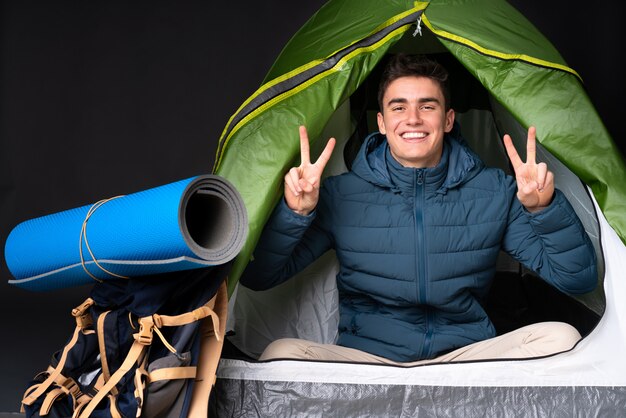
418, 248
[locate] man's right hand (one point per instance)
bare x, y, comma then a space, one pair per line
302, 183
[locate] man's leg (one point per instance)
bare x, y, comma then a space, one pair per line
293, 348
534, 340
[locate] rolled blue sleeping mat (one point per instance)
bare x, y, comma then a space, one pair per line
192, 223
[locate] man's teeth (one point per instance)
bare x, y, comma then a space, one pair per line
414, 135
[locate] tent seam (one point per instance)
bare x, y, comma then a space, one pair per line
501, 55
310, 65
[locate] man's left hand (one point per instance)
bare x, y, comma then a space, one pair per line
535, 184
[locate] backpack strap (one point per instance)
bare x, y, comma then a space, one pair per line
169, 373
106, 373
66, 387
147, 327
141, 376
210, 351
115, 412
83, 321
137, 350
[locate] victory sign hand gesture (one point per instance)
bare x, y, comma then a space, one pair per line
535, 184
302, 183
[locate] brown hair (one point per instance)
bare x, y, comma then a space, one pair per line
405, 65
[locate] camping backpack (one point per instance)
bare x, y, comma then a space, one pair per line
145, 346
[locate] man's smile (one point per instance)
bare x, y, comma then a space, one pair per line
413, 135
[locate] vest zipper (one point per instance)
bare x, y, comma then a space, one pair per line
420, 255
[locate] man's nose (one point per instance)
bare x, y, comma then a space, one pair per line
415, 116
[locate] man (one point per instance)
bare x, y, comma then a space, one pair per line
417, 225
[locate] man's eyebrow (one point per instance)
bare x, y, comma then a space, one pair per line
428, 100
396, 100
421, 100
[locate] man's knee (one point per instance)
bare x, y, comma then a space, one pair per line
569, 334
552, 337
291, 348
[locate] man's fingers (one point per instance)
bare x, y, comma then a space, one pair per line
549, 183
325, 155
306, 186
542, 172
531, 145
512, 152
528, 189
292, 181
305, 157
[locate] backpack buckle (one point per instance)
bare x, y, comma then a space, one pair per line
72, 387
81, 313
144, 336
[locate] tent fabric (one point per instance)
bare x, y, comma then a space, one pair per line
192, 223
306, 399
266, 146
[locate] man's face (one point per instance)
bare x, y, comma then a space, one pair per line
414, 120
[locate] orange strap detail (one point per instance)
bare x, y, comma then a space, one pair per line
115, 413
210, 351
106, 373
32, 397
135, 353
170, 373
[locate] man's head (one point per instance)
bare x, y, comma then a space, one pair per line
415, 109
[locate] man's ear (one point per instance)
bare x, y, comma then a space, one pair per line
381, 123
449, 120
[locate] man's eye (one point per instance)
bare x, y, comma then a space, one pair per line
427, 107
397, 108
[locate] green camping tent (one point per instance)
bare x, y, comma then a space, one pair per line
335, 51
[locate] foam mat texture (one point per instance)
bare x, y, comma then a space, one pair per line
192, 223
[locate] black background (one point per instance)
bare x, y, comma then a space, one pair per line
101, 98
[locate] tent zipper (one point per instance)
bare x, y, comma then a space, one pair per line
298, 78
